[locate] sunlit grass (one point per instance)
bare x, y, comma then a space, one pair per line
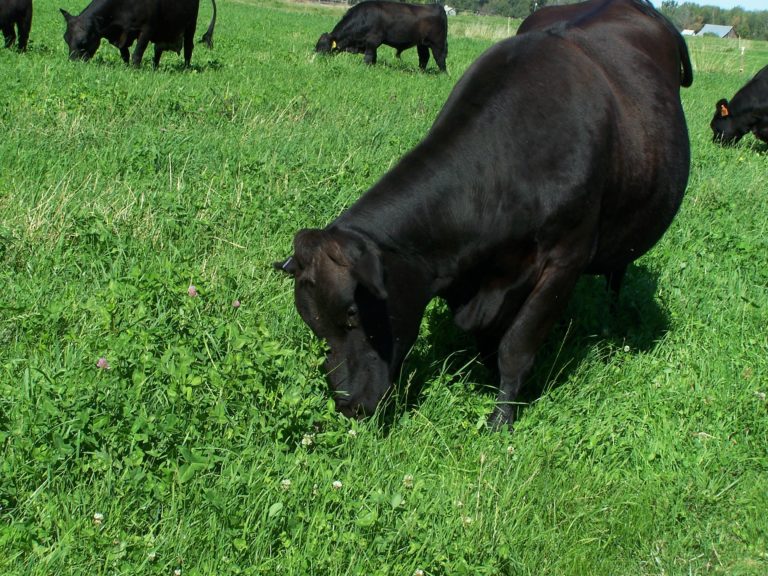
147, 428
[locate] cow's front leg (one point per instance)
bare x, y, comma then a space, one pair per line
189, 42
519, 344
370, 52
141, 46
10, 35
156, 57
614, 279
423, 56
24, 27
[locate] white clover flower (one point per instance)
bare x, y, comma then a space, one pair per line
152, 556
308, 440
466, 520
510, 450
337, 485
352, 433
626, 348
177, 572
285, 484
98, 518
408, 481
418, 572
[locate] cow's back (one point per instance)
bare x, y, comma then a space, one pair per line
563, 128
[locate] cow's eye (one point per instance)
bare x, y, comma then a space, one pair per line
353, 319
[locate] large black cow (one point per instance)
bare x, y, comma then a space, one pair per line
746, 112
16, 13
169, 24
368, 25
561, 151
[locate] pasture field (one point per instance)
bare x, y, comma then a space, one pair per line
205, 442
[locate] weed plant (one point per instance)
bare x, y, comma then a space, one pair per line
162, 406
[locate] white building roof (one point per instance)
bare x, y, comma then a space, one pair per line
717, 30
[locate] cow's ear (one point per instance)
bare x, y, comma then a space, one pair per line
369, 272
67, 15
722, 108
288, 266
364, 260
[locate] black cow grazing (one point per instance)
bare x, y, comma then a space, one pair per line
561, 151
16, 13
368, 25
746, 112
169, 24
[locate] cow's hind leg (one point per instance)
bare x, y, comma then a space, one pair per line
439, 53
531, 325
423, 55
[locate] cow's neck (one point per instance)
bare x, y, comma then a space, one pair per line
419, 217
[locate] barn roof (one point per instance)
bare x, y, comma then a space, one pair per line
717, 30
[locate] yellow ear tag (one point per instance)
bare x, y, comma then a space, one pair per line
724, 111
333, 44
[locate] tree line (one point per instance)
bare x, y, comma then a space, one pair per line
748, 24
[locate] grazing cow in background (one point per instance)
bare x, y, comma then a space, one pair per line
368, 25
169, 24
746, 112
16, 13
561, 151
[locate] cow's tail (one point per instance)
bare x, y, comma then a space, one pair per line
686, 72
207, 38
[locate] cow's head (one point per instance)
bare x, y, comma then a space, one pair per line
81, 36
325, 44
725, 129
341, 293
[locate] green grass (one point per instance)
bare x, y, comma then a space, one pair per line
646, 453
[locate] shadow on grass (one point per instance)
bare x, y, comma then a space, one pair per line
638, 322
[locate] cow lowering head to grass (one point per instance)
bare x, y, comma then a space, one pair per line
746, 112
561, 151
16, 14
368, 25
169, 24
